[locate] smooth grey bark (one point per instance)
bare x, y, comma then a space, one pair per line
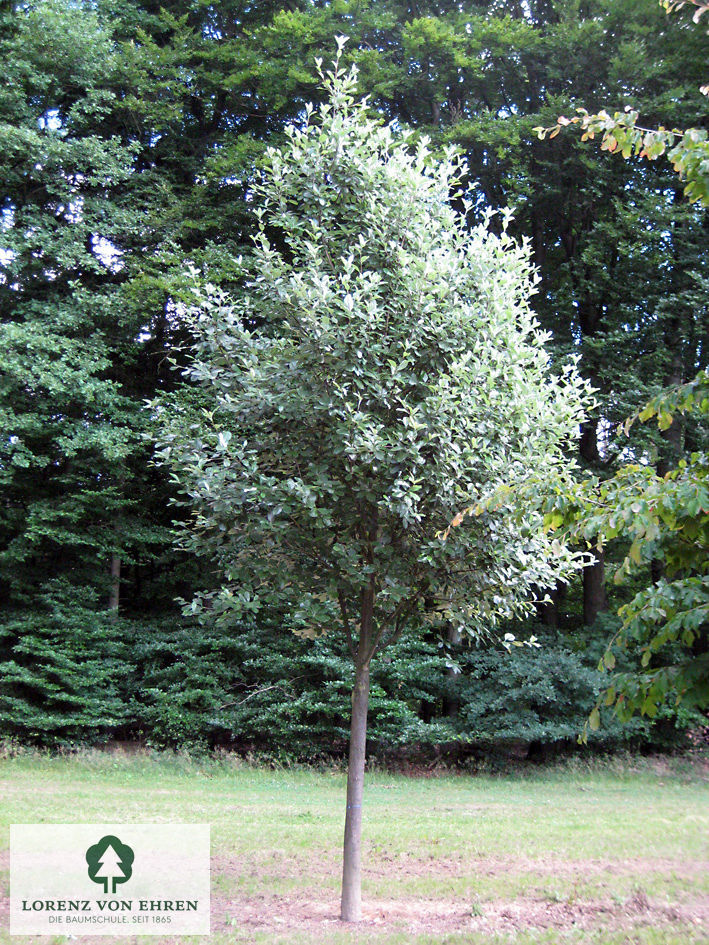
351, 901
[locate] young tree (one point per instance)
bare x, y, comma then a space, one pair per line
380, 369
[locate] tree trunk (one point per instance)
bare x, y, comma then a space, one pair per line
672, 436
594, 585
548, 613
115, 592
351, 903
594, 588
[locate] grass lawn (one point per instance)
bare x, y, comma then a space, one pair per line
580, 853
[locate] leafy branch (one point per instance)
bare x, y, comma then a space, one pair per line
688, 150
665, 520
673, 5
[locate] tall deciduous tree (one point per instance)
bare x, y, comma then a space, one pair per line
71, 428
662, 512
400, 373
73, 377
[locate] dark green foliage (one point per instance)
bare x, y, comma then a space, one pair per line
72, 676
164, 111
541, 696
258, 690
530, 695
63, 671
72, 456
78, 495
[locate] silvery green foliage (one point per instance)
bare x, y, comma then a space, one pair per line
380, 371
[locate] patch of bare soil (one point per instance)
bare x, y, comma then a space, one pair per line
310, 912
283, 914
539, 913
313, 913
279, 916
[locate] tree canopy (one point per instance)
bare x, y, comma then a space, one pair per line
380, 365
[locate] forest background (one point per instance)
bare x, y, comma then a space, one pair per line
131, 134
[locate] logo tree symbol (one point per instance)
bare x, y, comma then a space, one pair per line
110, 862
